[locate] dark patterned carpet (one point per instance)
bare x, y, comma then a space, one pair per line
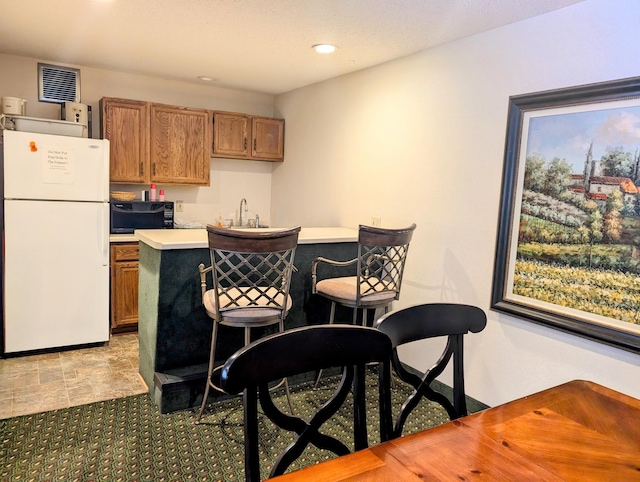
128, 439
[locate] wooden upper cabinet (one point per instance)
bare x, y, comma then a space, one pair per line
247, 137
267, 138
230, 135
179, 141
126, 124
156, 143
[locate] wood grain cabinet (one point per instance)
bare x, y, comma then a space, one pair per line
267, 138
247, 137
179, 145
124, 287
230, 135
156, 143
126, 124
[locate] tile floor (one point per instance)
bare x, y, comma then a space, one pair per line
38, 383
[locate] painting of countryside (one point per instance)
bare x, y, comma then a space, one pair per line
579, 228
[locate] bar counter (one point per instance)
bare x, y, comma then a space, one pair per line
173, 327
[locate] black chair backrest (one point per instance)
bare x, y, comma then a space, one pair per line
428, 321
299, 351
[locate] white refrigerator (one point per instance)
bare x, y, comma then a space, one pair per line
56, 241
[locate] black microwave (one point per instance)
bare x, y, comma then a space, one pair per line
128, 216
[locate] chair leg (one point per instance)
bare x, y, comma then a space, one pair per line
212, 356
286, 389
286, 382
332, 315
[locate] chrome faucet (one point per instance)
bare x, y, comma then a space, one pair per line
243, 200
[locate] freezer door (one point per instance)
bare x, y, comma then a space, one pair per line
56, 277
41, 166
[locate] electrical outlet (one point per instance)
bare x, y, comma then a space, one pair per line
376, 221
179, 207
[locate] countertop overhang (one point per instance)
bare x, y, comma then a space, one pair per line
166, 239
123, 238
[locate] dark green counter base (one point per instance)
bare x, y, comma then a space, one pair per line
175, 331
183, 389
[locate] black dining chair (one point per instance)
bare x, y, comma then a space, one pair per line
428, 321
299, 351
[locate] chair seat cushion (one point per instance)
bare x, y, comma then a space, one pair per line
251, 303
345, 289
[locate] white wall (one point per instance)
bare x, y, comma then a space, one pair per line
421, 139
231, 180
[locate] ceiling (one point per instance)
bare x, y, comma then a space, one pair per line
256, 45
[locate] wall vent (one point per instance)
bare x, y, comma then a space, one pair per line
58, 84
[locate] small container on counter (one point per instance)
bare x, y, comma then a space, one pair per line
161, 195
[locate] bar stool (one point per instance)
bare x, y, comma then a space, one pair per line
379, 268
251, 274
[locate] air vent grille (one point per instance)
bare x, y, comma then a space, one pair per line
58, 84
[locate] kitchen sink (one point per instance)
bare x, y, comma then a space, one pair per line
261, 229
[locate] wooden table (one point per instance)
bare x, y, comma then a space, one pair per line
576, 431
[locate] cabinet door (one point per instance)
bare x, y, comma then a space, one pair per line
125, 298
230, 135
124, 287
268, 138
179, 145
126, 124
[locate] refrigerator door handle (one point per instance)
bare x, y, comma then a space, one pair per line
106, 171
104, 234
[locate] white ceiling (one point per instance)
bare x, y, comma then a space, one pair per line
257, 45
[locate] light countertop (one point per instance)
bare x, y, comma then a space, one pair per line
166, 239
123, 238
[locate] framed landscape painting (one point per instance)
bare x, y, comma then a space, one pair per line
568, 245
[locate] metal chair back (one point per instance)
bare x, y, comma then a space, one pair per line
251, 274
381, 259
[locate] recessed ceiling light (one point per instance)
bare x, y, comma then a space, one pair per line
324, 48
206, 78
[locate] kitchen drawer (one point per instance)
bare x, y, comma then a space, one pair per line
125, 252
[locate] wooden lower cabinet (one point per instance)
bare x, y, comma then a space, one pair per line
124, 287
